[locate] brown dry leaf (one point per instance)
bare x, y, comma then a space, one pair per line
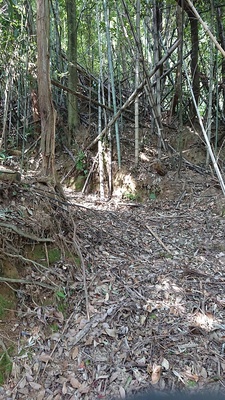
75, 383
149, 369
22, 383
75, 352
122, 392
138, 375
203, 373
23, 391
143, 319
59, 316
82, 323
92, 310
15, 370
44, 357
41, 395
64, 388
58, 397
89, 341
102, 377
165, 364
29, 378
83, 388
35, 386
111, 332
114, 377
156, 373
190, 376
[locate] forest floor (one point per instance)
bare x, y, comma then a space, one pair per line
136, 299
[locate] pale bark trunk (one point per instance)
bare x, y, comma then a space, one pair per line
137, 71
47, 111
73, 121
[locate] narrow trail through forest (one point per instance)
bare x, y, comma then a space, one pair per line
155, 275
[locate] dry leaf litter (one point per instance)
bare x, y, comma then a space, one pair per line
154, 311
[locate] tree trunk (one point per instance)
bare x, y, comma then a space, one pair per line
137, 77
194, 55
47, 111
194, 61
73, 120
221, 33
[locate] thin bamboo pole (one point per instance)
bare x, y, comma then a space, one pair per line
215, 165
136, 92
206, 28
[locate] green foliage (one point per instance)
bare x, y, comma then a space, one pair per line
130, 196
54, 327
223, 212
4, 305
81, 163
38, 253
87, 362
5, 366
191, 384
61, 299
152, 196
60, 295
3, 156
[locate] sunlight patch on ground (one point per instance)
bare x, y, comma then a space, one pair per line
205, 320
143, 157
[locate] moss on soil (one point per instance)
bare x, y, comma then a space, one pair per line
77, 183
5, 367
7, 303
38, 253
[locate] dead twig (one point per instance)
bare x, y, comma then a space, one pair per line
25, 282
37, 265
158, 239
90, 172
77, 248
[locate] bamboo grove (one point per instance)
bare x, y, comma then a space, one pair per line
101, 64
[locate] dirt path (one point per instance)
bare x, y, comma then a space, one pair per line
155, 276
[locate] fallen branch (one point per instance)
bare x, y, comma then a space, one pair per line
77, 248
25, 282
158, 239
35, 264
90, 172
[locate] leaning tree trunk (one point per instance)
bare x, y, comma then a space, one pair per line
47, 111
